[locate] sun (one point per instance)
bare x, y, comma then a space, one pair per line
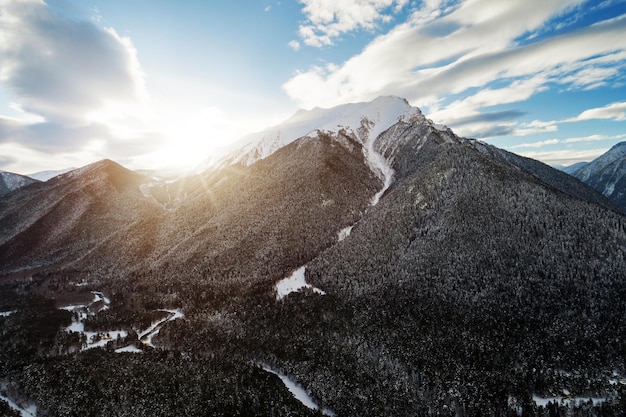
192, 140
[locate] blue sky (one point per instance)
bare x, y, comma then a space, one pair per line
154, 83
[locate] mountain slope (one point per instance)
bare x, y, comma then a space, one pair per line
552, 177
607, 174
449, 280
64, 218
11, 182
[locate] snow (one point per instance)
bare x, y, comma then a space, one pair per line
294, 283
94, 339
46, 175
6, 313
28, 411
298, 392
440, 127
129, 349
100, 339
344, 233
543, 402
98, 296
147, 335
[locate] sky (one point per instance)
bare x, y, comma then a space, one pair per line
171, 83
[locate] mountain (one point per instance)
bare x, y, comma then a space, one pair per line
438, 276
363, 120
11, 182
46, 175
68, 216
570, 169
607, 174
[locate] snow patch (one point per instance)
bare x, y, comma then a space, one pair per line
294, 283
25, 411
298, 392
129, 349
440, 127
344, 233
147, 335
570, 401
81, 312
6, 313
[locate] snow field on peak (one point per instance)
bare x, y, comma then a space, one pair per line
364, 120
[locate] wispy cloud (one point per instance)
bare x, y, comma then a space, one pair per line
565, 157
455, 48
326, 20
613, 111
580, 139
537, 144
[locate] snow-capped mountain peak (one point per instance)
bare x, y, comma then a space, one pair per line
364, 120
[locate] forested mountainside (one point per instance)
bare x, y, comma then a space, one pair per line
478, 284
607, 174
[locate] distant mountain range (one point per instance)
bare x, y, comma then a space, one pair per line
46, 175
607, 174
427, 274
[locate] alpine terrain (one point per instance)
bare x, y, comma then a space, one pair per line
10, 182
607, 174
353, 261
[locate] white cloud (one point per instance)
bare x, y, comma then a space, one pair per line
564, 157
613, 111
536, 144
535, 127
295, 45
66, 70
593, 138
448, 48
458, 113
329, 19
589, 78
